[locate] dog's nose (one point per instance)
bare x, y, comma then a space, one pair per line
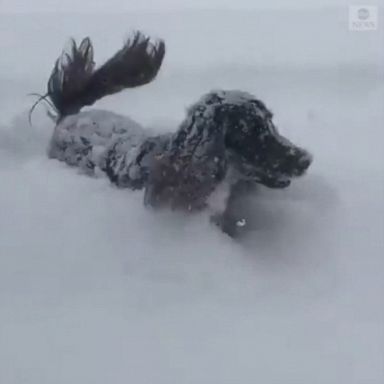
305, 161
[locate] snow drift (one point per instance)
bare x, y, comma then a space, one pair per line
95, 289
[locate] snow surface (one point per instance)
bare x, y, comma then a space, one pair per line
161, 5
96, 289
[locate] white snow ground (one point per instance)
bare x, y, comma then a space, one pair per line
95, 289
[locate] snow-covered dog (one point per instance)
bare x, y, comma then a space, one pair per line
227, 137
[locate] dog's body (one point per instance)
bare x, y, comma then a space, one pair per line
226, 136
102, 140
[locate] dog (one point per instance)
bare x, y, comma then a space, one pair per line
227, 137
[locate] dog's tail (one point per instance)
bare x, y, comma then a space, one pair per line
75, 83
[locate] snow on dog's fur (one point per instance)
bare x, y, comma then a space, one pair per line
227, 137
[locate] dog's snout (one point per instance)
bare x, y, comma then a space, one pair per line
305, 161
296, 162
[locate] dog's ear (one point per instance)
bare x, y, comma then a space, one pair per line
175, 183
163, 181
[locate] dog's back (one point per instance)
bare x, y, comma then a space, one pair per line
82, 139
97, 138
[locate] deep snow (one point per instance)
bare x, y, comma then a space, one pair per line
95, 289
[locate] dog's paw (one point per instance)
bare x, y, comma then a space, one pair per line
234, 227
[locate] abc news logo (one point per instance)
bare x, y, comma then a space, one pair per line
363, 18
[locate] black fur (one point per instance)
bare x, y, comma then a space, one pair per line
75, 83
227, 137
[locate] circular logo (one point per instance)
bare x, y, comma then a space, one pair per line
363, 13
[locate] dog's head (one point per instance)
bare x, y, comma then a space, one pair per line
256, 148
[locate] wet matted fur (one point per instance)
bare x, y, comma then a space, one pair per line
227, 137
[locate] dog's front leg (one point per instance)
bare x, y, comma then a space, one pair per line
232, 219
